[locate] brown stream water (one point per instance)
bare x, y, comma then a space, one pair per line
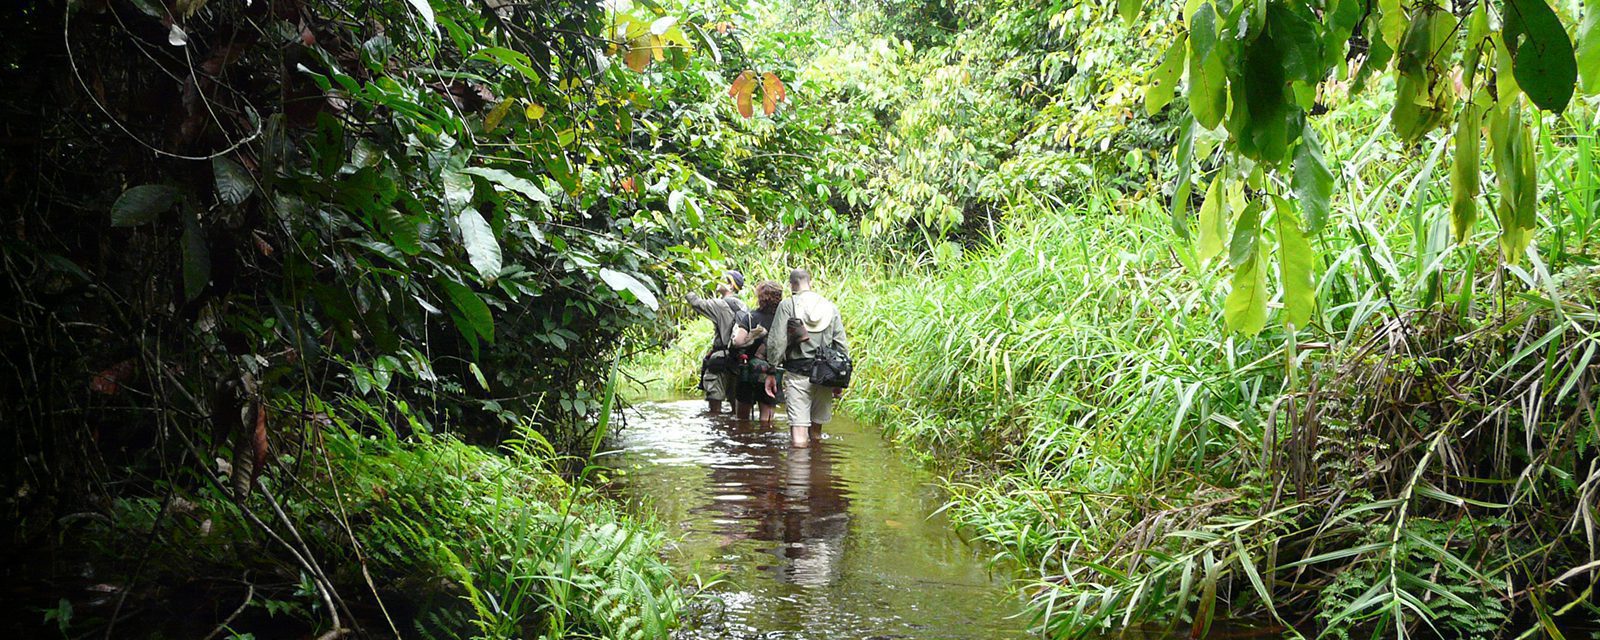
838, 541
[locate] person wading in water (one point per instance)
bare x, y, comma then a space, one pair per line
803, 323
716, 368
750, 350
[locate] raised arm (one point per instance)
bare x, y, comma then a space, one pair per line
701, 305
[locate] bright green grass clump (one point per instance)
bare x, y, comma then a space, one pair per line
1078, 358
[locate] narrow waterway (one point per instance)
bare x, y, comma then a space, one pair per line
838, 541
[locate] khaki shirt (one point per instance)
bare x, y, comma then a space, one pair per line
721, 315
831, 333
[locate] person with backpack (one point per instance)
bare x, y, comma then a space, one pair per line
750, 350
809, 343
716, 368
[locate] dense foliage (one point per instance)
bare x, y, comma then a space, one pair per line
1195, 303
243, 236
333, 291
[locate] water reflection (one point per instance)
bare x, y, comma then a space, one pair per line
836, 541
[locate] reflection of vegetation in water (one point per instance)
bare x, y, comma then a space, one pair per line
834, 539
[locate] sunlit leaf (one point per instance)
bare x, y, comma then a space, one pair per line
741, 89
1588, 53
1245, 309
510, 181
772, 92
1517, 175
483, 250
424, 10
1129, 9
1294, 266
1163, 81
620, 281
1464, 171
1208, 92
639, 54
1312, 181
495, 115
1242, 246
1213, 221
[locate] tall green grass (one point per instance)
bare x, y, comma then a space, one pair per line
1108, 433
1416, 461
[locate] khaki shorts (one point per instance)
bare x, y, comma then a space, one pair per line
716, 385
805, 403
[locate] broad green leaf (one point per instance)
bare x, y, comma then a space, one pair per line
403, 232
142, 204
1163, 81
483, 250
620, 281
1213, 220
1208, 78
233, 182
510, 181
479, 323
1129, 10
1294, 267
495, 115
1264, 121
1312, 181
1243, 244
1181, 191
561, 169
1245, 309
1424, 92
457, 191
1516, 173
1542, 58
1588, 53
1464, 171
508, 57
196, 258
1295, 32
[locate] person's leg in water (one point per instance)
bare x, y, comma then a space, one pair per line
809, 407
716, 387
821, 409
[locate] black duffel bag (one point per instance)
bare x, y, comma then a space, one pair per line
718, 361
831, 367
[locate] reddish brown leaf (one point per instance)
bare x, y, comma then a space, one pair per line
261, 244
772, 92
627, 184
639, 53
109, 381
258, 440
741, 90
